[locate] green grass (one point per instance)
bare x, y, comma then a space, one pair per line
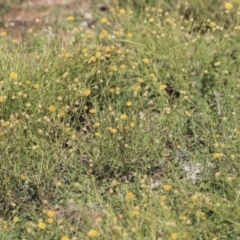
93, 143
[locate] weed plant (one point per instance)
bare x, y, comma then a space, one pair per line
127, 129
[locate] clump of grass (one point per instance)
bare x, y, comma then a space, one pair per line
124, 130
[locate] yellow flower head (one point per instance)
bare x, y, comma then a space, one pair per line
93, 233
92, 110
104, 20
103, 34
163, 86
67, 55
228, 6
13, 75
135, 213
86, 92
123, 116
50, 213
36, 86
213, 24
61, 112
145, 60
16, 219
113, 130
98, 134
98, 54
97, 124
42, 225
195, 197
51, 108
64, 238
50, 220
129, 196
122, 11
174, 236
129, 104
217, 155
2, 99
70, 18
3, 33
167, 187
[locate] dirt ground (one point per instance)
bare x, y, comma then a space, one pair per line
19, 16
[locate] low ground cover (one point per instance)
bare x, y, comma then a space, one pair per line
121, 122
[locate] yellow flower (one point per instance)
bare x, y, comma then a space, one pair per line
140, 80
22, 176
50, 220
92, 110
86, 93
67, 55
129, 35
51, 108
111, 90
122, 66
64, 238
61, 112
170, 21
16, 219
213, 24
145, 60
113, 130
97, 124
36, 86
50, 213
217, 155
195, 197
70, 18
132, 124
174, 236
92, 59
97, 134
13, 75
93, 233
167, 187
129, 196
228, 6
42, 225
3, 33
135, 213
98, 54
163, 86
104, 20
4, 124
129, 104
122, 11
103, 34
113, 68
183, 218
2, 99
123, 116
152, 75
